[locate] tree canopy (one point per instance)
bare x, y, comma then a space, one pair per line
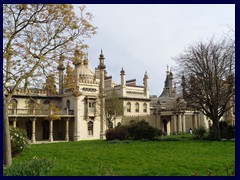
34, 38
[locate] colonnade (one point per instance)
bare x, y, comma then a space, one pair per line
33, 137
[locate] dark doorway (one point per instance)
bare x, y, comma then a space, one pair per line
45, 125
28, 125
165, 126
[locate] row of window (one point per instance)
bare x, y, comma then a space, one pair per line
129, 107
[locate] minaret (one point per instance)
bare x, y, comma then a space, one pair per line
77, 101
60, 68
123, 80
102, 67
77, 62
146, 87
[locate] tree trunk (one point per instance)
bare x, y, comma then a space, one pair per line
218, 131
7, 153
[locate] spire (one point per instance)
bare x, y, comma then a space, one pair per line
167, 69
145, 75
101, 55
101, 61
122, 72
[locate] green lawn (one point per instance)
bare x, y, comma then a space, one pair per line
139, 158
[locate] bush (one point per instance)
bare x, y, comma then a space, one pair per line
142, 130
226, 131
135, 130
199, 133
120, 133
34, 167
19, 140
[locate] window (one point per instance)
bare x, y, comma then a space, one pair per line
13, 106
128, 107
31, 106
137, 107
68, 104
91, 104
46, 106
90, 128
144, 107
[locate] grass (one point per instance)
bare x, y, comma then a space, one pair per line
136, 158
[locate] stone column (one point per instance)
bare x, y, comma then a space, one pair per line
168, 127
15, 122
175, 123
193, 123
179, 123
33, 130
195, 120
184, 123
198, 120
51, 131
67, 130
159, 122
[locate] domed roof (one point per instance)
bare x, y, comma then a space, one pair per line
85, 74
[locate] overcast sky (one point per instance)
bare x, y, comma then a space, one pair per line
145, 37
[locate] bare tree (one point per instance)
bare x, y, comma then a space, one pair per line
113, 106
34, 37
209, 72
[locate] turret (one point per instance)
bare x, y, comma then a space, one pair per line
60, 68
102, 67
146, 86
123, 80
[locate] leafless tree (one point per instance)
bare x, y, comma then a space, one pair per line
209, 73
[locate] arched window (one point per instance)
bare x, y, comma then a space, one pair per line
137, 107
46, 107
13, 106
128, 107
144, 107
90, 128
30, 106
68, 104
46, 104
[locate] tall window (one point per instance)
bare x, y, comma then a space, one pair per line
91, 106
128, 107
31, 106
144, 107
90, 128
13, 106
46, 106
137, 107
68, 104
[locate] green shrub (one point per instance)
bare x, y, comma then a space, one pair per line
199, 133
19, 140
120, 133
34, 167
142, 130
135, 130
226, 131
